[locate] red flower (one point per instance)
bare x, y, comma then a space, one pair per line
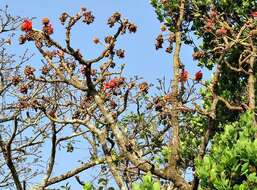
213, 13
222, 31
109, 85
209, 23
26, 26
254, 14
113, 83
50, 29
184, 76
198, 76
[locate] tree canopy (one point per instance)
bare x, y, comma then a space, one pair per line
192, 134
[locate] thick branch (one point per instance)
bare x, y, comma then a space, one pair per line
6, 149
74, 172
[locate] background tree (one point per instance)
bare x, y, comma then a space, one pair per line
206, 128
226, 30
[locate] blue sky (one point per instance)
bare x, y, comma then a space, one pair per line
141, 57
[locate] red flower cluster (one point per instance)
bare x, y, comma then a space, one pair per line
254, 14
47, 26
209, 25
26, 26
222, 31
184, 76
198, 76
213, 13
114, 83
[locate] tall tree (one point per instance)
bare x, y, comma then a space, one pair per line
136, 139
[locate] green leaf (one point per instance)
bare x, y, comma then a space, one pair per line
147, 178
87, 186
136, 187
244, 168
156, 186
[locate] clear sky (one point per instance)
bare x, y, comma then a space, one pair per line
141, 57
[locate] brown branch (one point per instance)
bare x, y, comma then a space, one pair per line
251, 78
132, 156
7, 153
211, 120
114, 170
71, 23
110, 46
10, 118
229, 106
73, 81
52, 157
74, 172
125, 102
239, 70
174, 123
